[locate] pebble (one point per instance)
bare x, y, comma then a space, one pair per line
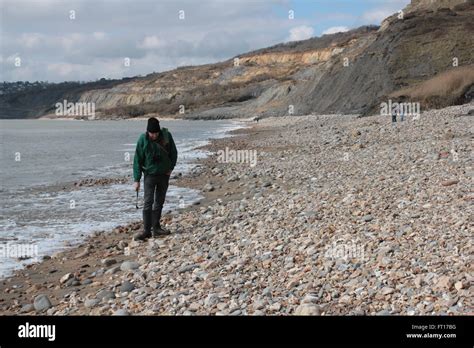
444, 283
105, 295
113, 270
27, 308
91, 303
129, 266
66, 277
108, 262
308, 309
367, 218
450, 182
83, 254
208, 188
42, 303
121, 312
211, 300
387, 291
126, 287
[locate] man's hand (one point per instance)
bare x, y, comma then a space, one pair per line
136, 186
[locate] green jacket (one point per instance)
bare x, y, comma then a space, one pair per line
154, 157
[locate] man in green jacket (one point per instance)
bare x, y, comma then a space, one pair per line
155, 157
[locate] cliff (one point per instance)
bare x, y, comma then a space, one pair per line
349, 72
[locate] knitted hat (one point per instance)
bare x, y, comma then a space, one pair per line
153, 125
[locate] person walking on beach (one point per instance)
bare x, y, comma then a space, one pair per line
394, 117
155, 157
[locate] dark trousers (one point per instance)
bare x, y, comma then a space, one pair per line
155, 187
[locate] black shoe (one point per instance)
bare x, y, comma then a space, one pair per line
143, 235
159, 231
146, 233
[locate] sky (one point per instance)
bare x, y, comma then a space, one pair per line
85, 40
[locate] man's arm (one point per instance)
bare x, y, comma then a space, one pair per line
173, 152
138, 161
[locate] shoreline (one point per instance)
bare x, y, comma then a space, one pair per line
190, 180
52, 268
104, 181
258, 242
73, 118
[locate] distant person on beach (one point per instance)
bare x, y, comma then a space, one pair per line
394, 116
155, 157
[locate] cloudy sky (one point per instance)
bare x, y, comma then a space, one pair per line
83, 40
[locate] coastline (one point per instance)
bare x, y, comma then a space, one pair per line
257, 243
95, 184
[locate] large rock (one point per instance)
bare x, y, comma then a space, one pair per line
129, 266
42, 303
308, 309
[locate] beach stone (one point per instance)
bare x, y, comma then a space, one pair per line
444, 283
121, 312
459, 285
275, 306
367, 218
66, 277
310, 298
208, 188
387, 291
187, 268
450, 182
211, 300
129, 266
105, 295
108, 262
126, 286
258, 304
83, 254
42, 303
359, 312
233, 178
113, 270
27, 308
307, 309
193, 307
91, 303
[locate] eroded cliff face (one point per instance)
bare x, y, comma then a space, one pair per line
426, 5
258, 80
342, 73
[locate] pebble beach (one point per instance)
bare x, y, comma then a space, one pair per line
337, 215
